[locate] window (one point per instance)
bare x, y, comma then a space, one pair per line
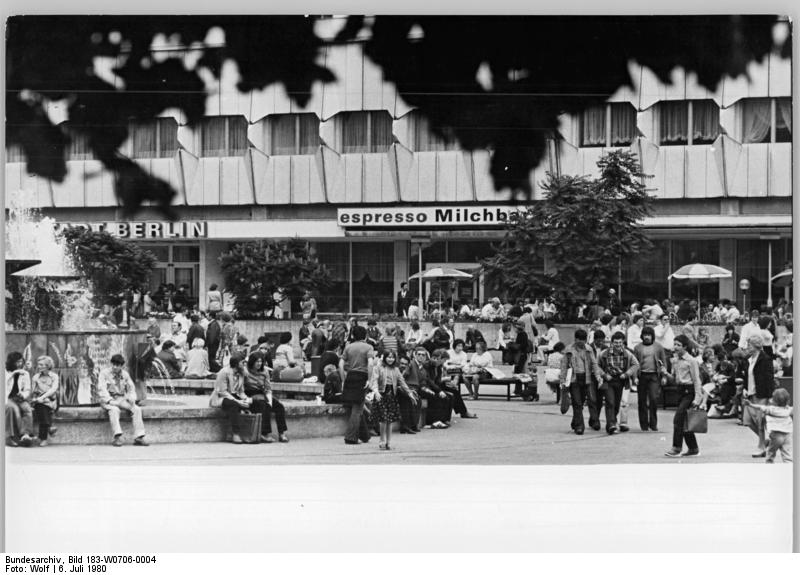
759, 115
223, 136
364, 132
608, 125
292, 134
425, 140
14, 153
689, 122
78, 148
154, 139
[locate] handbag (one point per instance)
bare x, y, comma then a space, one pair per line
696, 421
565, 400
215, 400
250, 427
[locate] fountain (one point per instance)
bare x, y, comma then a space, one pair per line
38, 260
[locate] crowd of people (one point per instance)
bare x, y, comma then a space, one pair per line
384, 375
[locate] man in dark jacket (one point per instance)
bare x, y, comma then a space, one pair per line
213, 336
169, 361
618, 367
403, 300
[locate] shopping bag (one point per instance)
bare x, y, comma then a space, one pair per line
250, 427
696, 421
565, 401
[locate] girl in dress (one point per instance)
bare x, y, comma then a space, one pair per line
44, 390
386, 379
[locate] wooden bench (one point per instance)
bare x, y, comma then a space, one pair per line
507, 381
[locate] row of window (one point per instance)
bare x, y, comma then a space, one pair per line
680, 123
687, 122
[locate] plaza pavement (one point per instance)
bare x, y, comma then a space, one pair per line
505, 433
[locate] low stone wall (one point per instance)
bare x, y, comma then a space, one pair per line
280, 389
180, 424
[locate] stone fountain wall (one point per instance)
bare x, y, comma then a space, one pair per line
79, 356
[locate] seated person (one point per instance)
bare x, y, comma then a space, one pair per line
117, 392
170, 363
292, 374
258, 388
197, 365
456, 362
19, 413
475, 371
229, 395
332, 392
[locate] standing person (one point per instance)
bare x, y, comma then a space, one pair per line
230, 396
749, 329
354, 371
403, 300
664, 334
258, 388
44, 391
148, 303
116, 392
552, 370
613, 303
685, 373
651, 357
195, 331
778, 424
214, 299
580, 358
618, 367
19, 413
759, 382
122, 315
319, 335
387, 383
635, 331
227, 341
213, 338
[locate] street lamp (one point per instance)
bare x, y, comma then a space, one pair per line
744, 285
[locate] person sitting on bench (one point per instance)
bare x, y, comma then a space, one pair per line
117, 392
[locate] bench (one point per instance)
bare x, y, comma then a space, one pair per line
188, 420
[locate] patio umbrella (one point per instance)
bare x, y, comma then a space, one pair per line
783, 279
699, 273
439, 274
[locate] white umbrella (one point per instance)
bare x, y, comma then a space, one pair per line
783, 279
700, 272
436, 274
439, 274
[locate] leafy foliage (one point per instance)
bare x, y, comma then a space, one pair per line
35, 304
109, 264
540, 67
582, 230
256, 271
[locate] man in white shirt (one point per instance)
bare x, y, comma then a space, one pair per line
664, 334
635, 331
750, 329
116, 392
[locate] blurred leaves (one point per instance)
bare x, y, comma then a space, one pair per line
534, 69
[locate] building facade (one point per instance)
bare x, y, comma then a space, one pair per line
358, 174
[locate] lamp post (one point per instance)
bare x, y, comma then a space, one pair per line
744, 285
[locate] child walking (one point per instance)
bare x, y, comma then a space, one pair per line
779, 425
386, 379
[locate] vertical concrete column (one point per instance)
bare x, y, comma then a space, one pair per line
402, 250
727, 260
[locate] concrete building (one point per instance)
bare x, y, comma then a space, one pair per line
357, 173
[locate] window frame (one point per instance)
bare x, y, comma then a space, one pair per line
298, 148
608, 112
158, 124
369, 147
226, 149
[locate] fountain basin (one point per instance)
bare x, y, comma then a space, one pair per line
79, 356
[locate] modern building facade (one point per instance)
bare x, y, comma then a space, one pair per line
358, 174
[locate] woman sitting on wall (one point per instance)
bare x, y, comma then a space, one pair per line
197, 365
258, 388
44, 391
284, 355
19, 413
